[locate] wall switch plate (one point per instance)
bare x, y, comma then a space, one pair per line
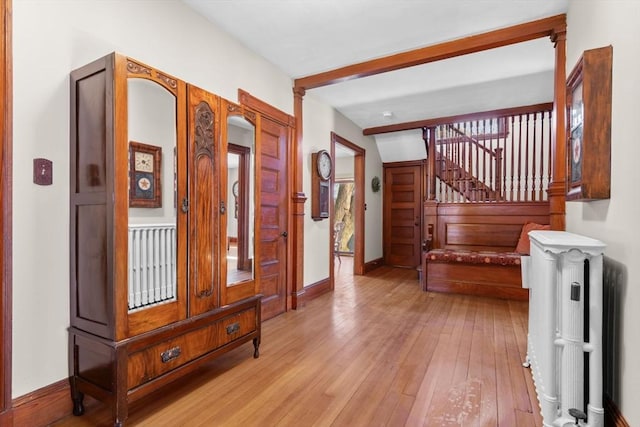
42, 171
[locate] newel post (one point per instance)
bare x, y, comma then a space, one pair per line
430, 207
557, 187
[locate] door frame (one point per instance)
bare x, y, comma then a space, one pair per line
359, 200
6, 130
270, 112
421, 198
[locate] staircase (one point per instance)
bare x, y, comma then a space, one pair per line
493, 156
462, 181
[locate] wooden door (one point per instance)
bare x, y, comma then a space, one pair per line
203, 202
273, 218
402, 215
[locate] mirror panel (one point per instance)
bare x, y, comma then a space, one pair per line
152, 134
240, 200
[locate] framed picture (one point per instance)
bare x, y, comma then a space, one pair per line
145, 189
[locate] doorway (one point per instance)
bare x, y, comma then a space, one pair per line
402, 217
347, 210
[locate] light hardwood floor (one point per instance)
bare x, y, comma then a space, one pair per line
376, 352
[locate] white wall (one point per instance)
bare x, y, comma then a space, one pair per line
51, 38
319, 121
592, 24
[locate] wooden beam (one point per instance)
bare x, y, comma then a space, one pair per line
476, 43
426, 123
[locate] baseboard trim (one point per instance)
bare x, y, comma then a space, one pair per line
612, 415
43, 406
316, 289
372, 265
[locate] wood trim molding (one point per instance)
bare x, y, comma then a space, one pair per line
359, 181
295, 207
6, 130
557, 188
402, 164
373, 264
245, 98
316, 289
427, 123
476, 43
297, 159
44, 406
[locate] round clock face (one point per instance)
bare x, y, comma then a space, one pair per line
144, 183
324, 165
143, 162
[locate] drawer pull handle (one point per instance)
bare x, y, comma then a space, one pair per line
170, 354
233, 328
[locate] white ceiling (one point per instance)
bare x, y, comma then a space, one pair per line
306, 37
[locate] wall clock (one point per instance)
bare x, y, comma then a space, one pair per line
589, 126
323, 165
320, 180
145, 189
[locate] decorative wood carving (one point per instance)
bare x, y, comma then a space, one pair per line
171, 82
204, 130
136, 68
203, 160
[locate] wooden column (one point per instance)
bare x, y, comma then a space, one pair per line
557, 187
429, 136
6, 118
298, 199
430, 205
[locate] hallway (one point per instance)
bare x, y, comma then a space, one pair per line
376, 351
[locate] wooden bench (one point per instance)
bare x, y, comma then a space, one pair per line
493, 274
478, 247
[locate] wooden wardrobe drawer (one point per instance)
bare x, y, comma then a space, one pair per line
236, 326
154, 361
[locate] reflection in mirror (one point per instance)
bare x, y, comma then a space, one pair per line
240, 224
152, 135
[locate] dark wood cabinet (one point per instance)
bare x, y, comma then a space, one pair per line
589, 126
150, 293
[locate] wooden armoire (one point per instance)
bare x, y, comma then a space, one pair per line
155, 287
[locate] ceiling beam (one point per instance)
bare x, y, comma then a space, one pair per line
427, 123
476, 43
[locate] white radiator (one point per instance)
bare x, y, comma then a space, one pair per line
152, 264
564, 343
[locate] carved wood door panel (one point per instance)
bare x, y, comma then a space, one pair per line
203, 201
273, 220
402, 215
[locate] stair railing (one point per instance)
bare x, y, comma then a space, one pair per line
492, 158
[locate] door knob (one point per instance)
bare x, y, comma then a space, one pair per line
284, 234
